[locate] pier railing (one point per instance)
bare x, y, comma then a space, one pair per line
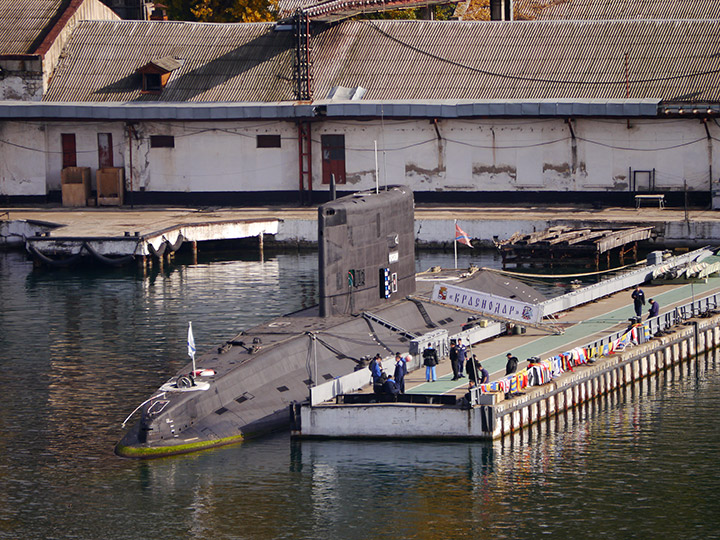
664, 321
620, 282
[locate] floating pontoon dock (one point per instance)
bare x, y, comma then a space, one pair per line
688, 324
123, 237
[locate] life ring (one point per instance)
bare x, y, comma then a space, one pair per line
184, 381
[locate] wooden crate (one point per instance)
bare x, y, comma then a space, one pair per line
75, 183
110, 186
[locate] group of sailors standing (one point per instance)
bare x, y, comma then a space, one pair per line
394, 383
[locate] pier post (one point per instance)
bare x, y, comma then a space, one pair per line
261, 244
142, 264
193, 247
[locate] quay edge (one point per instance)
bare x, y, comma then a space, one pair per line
498, 420
433, 224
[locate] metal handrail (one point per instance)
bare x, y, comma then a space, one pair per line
669, 319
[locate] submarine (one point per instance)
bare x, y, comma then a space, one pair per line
249, 385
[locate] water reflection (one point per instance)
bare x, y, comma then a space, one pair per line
82, 348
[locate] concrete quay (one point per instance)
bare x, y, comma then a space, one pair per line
434, 224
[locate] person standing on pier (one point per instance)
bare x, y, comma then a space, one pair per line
511, 365
375, 368
472, 370
654, 310
430, 360
454, 360
400, 372
638, 297
461, 354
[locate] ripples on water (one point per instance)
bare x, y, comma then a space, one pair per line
80, 349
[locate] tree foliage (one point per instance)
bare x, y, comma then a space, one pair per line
222, 10
440, 12
523, 10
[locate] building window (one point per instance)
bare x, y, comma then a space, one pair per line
152, 82
105, 150
156, 73
162, 141
268, 141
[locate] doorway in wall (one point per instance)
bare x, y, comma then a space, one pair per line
333, 158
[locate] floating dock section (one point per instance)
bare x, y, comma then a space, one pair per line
113, 244
675, 337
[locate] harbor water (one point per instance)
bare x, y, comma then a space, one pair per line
79, 349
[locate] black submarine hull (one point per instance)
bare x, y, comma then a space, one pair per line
367, 306
366, 253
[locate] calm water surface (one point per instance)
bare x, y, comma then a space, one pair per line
80, 349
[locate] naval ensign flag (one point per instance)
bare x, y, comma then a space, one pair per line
462, 237
191, 345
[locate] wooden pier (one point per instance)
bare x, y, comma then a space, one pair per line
564, 246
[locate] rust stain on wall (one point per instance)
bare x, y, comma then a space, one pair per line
619, 183
358, 177
563, 168
493, 170
423, 174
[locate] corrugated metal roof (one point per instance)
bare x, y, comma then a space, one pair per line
23, 23
521, 60
617, 9
220, 62
393, 60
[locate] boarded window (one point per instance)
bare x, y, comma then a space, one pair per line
162, 141
268, 141
69, 153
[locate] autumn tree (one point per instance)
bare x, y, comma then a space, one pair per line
222, 10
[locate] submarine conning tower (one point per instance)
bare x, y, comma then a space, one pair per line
366, 244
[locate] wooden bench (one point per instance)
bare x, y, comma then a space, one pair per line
660, 199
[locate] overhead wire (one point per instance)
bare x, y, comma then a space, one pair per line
622, 81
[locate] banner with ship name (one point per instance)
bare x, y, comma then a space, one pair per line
487, 303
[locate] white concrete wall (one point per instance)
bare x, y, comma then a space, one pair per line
216, 156
22, 159
390, 420
526, 154
471, 155
21, 80
86, 141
